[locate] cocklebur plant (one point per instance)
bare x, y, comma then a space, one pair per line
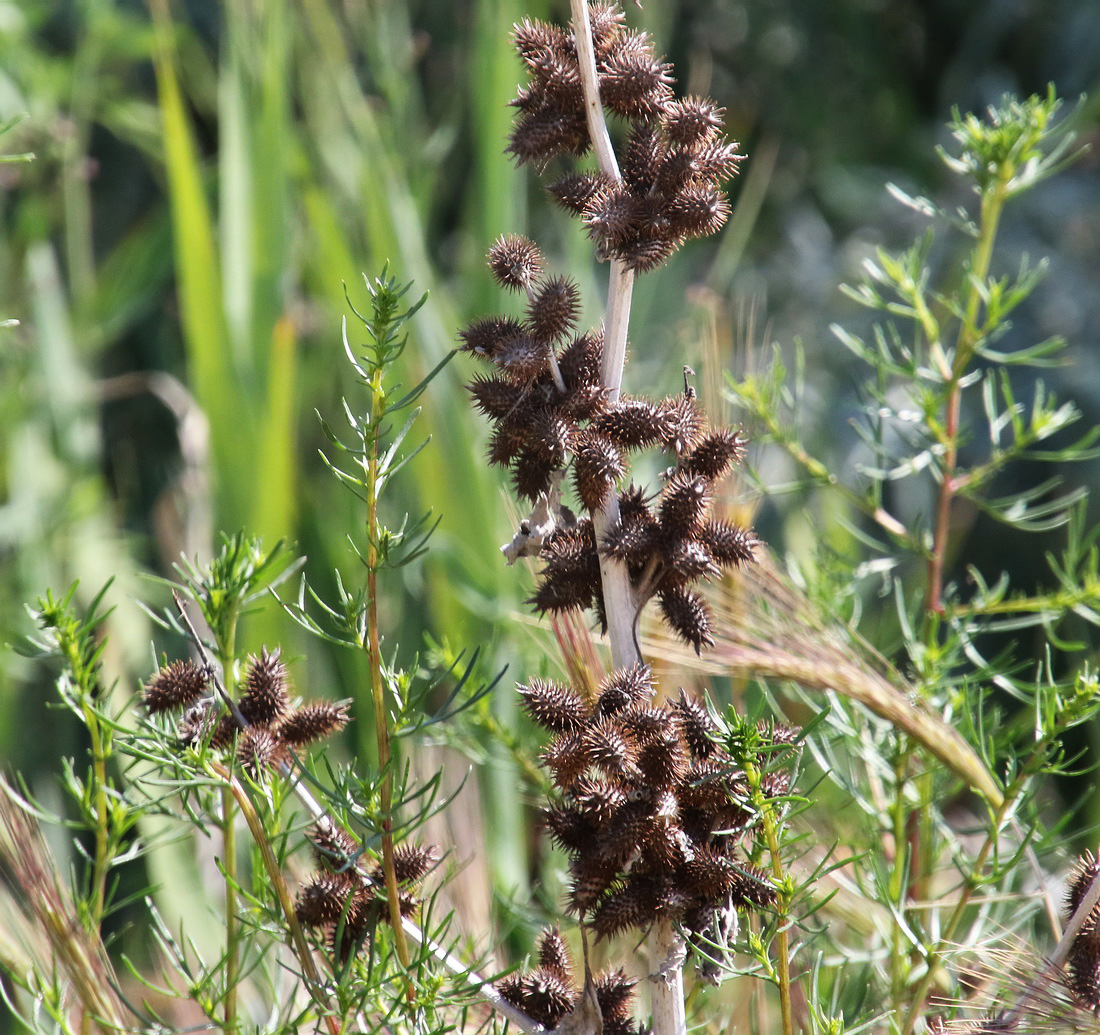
654, 815
945, 414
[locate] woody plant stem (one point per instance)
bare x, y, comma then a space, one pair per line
666, 945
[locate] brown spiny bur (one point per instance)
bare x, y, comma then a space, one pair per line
653, 809
552, 706
632, 422
345, 899
265, 697
312, 722
488, 336
684, 506
729, 545
1083, 959
549, 992
177, 685
693, 121
260, 750
686, 614
597, 467
699, 728
553, 308
684, 425
714, 453
262, 730
325, 899
515, 262
1084, 873
334, 848
622, 688
412, 863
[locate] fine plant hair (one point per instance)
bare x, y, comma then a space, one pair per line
847, 830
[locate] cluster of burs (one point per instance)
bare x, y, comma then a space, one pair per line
652, 811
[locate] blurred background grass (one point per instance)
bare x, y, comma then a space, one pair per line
209, 177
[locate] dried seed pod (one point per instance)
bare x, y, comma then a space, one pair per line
176, 685
632, 422
666, 848
614, 991
597, 467
752, 887
265, 697
610, 216
259, 750
510, 438
333, 847
496, 397
629, 906
552, 706
531, 475
537, 41
632, 541
522, 357
487, 336
1085, 872
684, 505
568, 758
551, 435
580, 361
697, 211
687, 561
714, 453
411, 863
728, 544
633, 82
692, 120
647, 253
608, 750
556, 594
662, 761
553, 310
574, 190
698, 727
569, 828
546, 996
598, 801
547, 133
717, 162
687, 615
1083, 973
347, 934
515, 261
684, 423
623, 688
642, 159
553, 955
200, 722
312, 722
324, 899
647, 724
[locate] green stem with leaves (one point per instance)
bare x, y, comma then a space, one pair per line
993, 200
770, 824
373, 648
225, 639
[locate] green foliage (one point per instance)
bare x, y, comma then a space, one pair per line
945, 411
